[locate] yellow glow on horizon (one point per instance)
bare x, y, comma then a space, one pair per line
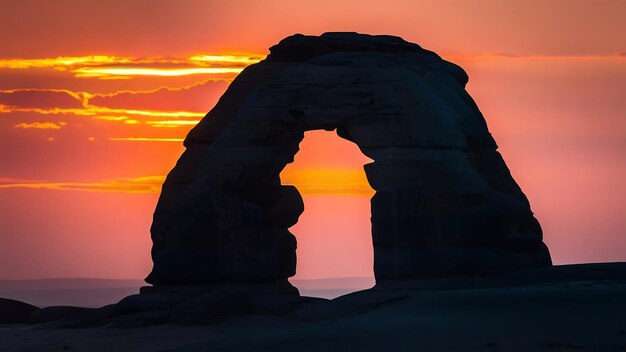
328, 181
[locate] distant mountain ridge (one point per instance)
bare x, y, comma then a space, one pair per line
69, 283
93, 292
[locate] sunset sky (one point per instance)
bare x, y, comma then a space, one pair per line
96, 97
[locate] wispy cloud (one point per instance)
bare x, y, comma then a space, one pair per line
173, 123
111, 118
245, 59
65, 102
41, 125
96, 111
139, 185
507, 56
196, 97
104, 72
62, 62
107, 67
41, 98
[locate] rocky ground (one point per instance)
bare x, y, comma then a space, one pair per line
569, 308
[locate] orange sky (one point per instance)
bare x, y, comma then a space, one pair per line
95, 97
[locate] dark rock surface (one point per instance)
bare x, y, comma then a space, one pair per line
596, 285
180, 305
568, 316
54, 313
12, 311
445, 202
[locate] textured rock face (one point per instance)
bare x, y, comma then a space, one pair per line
445, 202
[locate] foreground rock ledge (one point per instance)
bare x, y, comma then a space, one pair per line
445, 203
594, 285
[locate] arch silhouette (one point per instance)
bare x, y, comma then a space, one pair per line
445, 202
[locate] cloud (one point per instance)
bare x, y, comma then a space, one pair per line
112, 72
40, 99
73, 62
41, 125
46, 78
4, 180
172, 123
139, 185
199, 97
108, 113
165, 107
245, 59
117, 67
178, 106
61, 62
509, 56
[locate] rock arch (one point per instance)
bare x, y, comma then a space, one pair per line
445, 202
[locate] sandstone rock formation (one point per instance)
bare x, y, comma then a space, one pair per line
445, 203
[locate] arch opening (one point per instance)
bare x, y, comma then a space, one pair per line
335, 253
